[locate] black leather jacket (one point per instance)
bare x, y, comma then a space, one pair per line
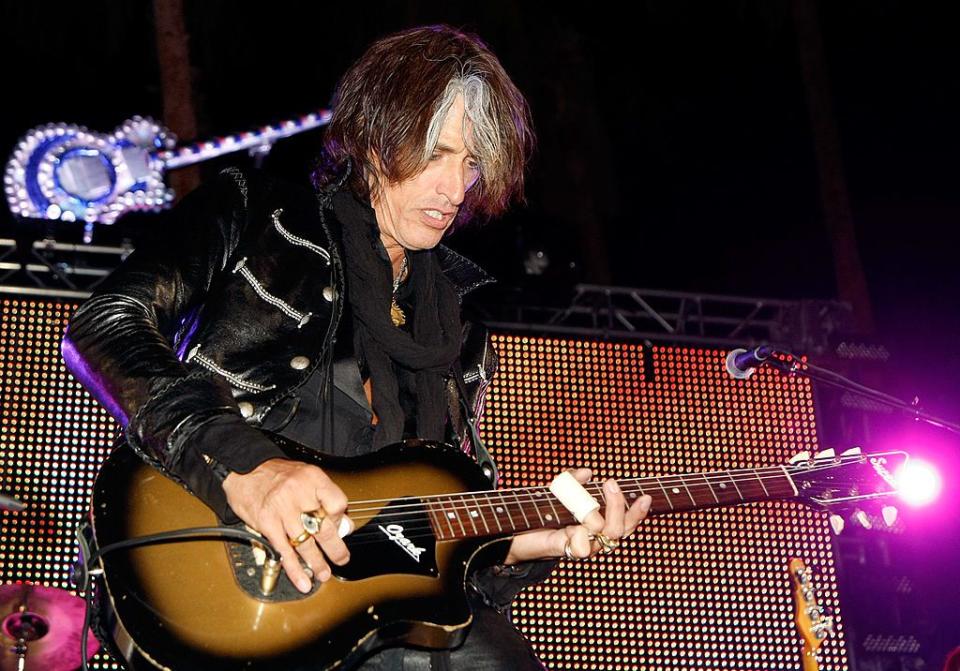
222, 320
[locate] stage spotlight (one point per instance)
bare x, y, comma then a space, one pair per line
919, 483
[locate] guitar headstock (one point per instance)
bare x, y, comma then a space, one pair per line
829, 481
812, 624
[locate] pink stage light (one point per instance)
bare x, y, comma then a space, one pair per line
919, 483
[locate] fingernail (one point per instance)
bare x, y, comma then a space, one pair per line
613, 487
645, 504
325, 575
303, 585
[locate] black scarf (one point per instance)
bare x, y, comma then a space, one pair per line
427, 351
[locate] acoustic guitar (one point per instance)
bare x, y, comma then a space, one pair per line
424, 513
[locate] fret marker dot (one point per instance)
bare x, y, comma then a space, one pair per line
633, 495
473, 513
549, 517
499, 509
723, 485
451, 515
675, 490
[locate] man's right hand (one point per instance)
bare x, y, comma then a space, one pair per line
270, 499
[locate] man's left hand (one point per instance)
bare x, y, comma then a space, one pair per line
580, 540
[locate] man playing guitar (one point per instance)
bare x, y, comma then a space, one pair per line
333, 318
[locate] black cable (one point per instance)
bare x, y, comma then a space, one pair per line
87, 560
87, 595
186, 534
834, 379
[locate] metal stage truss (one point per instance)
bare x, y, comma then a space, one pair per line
48, 267
808, 326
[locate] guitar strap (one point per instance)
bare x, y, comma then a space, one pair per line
480, 451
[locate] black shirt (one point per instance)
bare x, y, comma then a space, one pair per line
347, 431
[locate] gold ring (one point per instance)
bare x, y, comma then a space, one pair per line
294, 542
607, 544
567, 551
312, 521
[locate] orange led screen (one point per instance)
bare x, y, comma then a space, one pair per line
699, 590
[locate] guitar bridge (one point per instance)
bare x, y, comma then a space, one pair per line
255, 575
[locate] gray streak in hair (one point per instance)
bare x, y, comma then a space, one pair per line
476, 104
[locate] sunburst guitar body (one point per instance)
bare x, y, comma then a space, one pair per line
197, 604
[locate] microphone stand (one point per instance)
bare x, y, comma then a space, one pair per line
828, 377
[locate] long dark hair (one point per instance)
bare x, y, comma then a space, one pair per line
389, 101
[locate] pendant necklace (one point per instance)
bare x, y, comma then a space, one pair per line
396, 314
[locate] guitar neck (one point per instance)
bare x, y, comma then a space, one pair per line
474, 514
204, 151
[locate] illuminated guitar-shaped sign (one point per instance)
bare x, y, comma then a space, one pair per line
66, 172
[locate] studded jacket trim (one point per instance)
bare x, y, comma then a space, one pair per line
300, 317
296, 240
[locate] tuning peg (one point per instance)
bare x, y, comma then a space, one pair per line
826, 454
863, 519
800, 457
823, 628
890, 515
837, 524
852, 451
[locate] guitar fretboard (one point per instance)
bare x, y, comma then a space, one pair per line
475, 514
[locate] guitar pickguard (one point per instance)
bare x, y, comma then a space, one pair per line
398, 540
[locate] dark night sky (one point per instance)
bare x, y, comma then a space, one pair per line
677, 138
680, 130
675, 144
687, 128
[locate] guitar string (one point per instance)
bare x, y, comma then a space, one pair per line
367, 535
500, 498
472, 522
467, 515
425, 528
492, 498
763, 472
480, 506
738, 476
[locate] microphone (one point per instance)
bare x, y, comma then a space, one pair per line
742, 363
